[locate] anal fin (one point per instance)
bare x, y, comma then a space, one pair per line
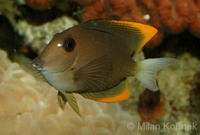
118, 93
61, 100
64, 97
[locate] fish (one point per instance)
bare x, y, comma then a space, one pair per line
95, 59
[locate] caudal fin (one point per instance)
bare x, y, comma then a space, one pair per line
145, 71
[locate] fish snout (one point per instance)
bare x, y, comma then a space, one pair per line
38, 64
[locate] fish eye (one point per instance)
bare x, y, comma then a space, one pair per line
69, 45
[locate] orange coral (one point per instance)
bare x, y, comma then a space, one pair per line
40, 4
171, 16
97, 8
174, 15
126, 10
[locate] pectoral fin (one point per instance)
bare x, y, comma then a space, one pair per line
118, 93
94, 75
64, 97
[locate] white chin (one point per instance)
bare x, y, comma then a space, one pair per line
61, 81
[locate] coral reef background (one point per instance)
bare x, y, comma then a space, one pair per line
39, 36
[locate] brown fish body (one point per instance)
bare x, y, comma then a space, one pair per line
95, 58
90, 45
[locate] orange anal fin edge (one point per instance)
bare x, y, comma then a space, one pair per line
118, 93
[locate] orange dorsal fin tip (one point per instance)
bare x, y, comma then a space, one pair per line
147, 31
136, 34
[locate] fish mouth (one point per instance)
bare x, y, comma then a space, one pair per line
38, 64
44, 71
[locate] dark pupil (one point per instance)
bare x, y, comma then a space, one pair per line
69, 45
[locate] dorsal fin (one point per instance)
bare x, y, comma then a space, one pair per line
135, 34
